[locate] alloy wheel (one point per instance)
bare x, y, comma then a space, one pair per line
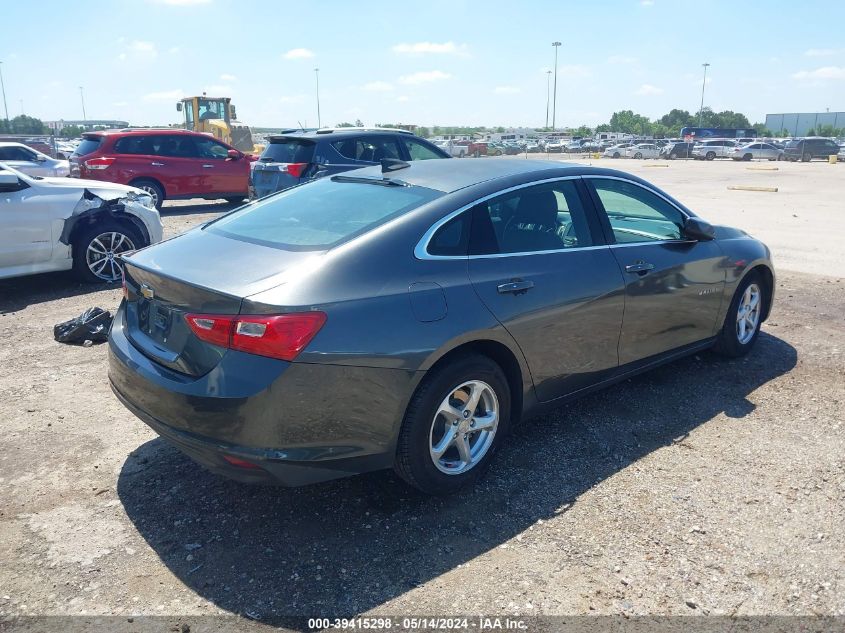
149, 189
102, 253
748, 314
463, 427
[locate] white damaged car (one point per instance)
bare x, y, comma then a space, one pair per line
50, 224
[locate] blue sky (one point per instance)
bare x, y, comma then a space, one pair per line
455, 62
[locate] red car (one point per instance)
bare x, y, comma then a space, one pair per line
169, 164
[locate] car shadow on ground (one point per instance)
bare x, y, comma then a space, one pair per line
18, 293
344, 547
169, 210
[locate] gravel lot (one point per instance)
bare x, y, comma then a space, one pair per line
704, 487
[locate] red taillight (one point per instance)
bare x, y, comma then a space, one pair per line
240, 463
98, 163
281, 336
296, 169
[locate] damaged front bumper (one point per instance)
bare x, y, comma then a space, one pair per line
136, 206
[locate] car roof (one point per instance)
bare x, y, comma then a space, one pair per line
139, 131
450, 175
13, 144
335, 133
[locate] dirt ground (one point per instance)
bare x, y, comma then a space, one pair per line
704, 487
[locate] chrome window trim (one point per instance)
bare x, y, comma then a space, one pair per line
421, 249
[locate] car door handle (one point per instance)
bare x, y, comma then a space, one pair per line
515, 286
157, 164
207, 166
639, 267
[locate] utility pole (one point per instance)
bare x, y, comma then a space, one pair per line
548, 88
317, 79
703, 83
82, 98
3, 86
554, 98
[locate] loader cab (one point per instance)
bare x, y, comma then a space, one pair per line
196, 110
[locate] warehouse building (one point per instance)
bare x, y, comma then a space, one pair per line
801, 123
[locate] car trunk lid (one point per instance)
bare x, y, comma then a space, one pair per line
215, 275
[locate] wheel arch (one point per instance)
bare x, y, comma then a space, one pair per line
511, 362
767, 276
134, 183
74, 225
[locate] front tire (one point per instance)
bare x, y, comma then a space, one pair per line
638, 155
710, 156
806, 158
96, 250
453, 425
744, 318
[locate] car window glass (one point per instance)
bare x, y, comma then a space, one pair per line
174, 146
452, 237
541, 218
370, 149
418, 151
15, 153
210, 149
139, 144
636, 214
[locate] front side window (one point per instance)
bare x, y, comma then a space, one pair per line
636, 214
420, 151
546, 217
321, 214
210, 149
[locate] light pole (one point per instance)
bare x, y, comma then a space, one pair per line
3, 86
82, 98
554, 98
703, 83
317, 79
548, 88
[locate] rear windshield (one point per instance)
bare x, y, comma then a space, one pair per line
88, 145
793, 143
288, 151
320, 214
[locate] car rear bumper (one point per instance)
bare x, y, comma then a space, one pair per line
299, 423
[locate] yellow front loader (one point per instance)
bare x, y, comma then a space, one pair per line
216, 116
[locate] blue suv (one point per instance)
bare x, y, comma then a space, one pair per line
296, 156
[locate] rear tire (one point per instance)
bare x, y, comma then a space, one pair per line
152, 188
638, 155
736, 339
806, 158
429, 453
96, 246
747, 157
616, 155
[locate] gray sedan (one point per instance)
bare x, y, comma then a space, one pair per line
408, 316
765, 151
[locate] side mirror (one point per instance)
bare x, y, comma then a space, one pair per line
234, 154
179, 107
698, 229
39, 158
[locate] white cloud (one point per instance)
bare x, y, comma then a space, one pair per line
138, 50
298, 53
820, 52
378, 86
823, 73
648, 89
164, 95
506, 90
424, 48
174, 50
621, 59
228, 77
647, 3
423, 77
218, 90
182, 3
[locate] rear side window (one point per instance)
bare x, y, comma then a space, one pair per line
88, 145
370, 149
321, 214
545, 217
16, 153
288, 151
452, 238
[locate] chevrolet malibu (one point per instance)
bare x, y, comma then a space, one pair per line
408, 315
